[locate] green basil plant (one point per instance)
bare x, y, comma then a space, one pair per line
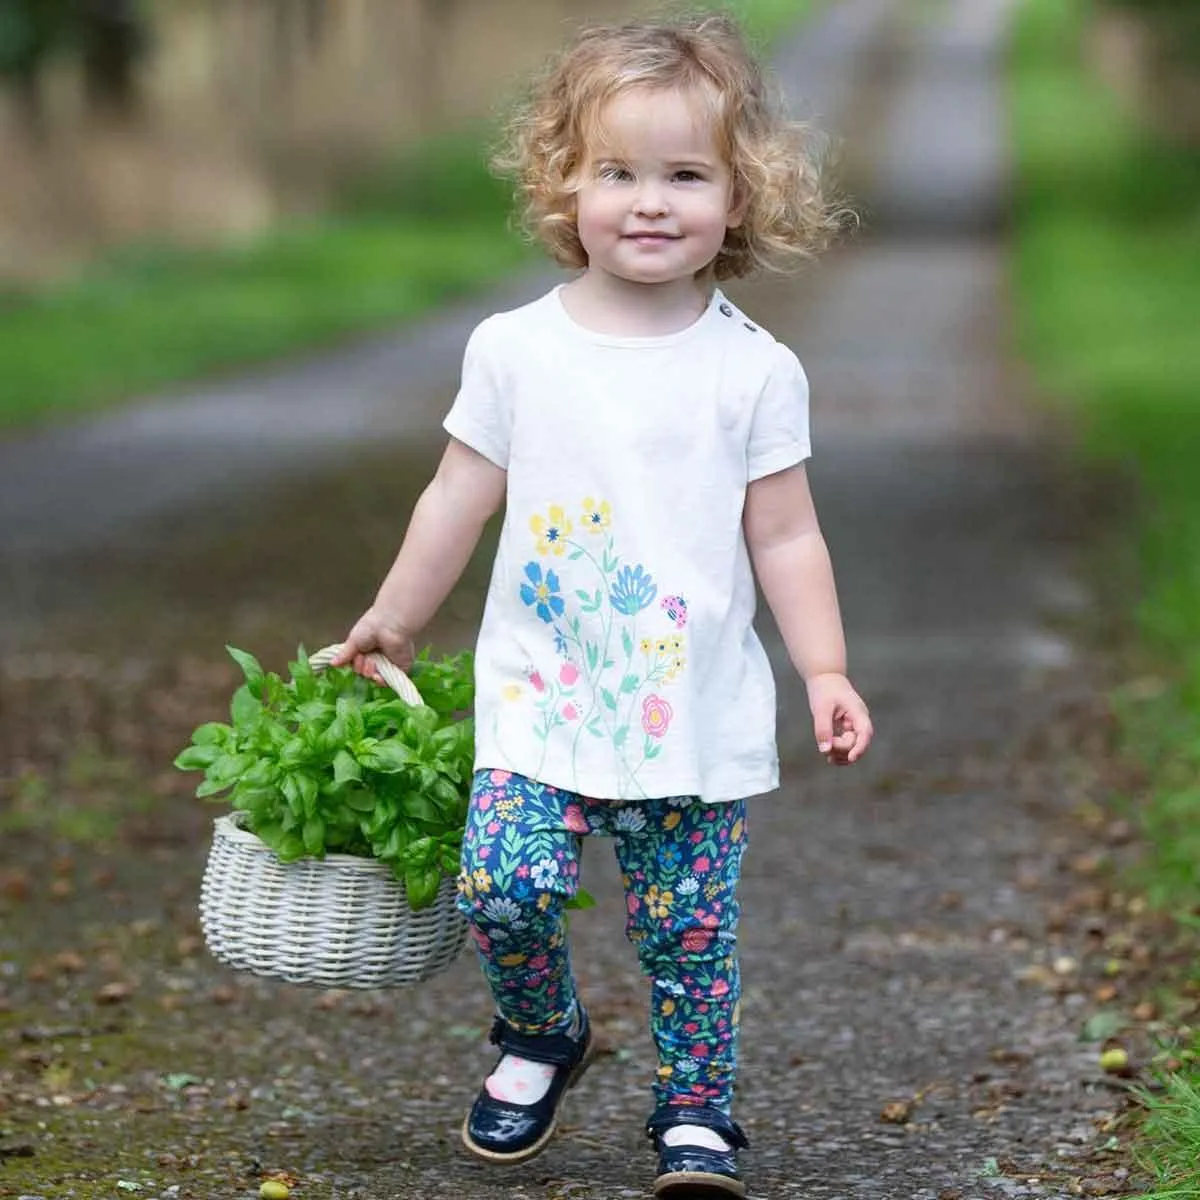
329, 762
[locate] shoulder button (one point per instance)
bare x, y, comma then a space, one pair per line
726, 311
752, 328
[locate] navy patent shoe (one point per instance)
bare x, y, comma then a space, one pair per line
503, 1132
696, 1172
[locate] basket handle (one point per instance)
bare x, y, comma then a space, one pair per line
395, 678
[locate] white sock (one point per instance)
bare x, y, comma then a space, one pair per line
518, 1080
694, 1135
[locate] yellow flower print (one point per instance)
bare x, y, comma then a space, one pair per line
509, 809
668, 1007
464, 886
735, 834
511, 960
675, 669
672, 819
676, 643
551, 533
482, 880
658, 904
543, 901
596, 517
646, 645
665, 1072
511, 691
660, 647
713, 890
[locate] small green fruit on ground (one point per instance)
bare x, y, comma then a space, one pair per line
1114, 1060
272, 1189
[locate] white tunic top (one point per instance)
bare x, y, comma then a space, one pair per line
617, 656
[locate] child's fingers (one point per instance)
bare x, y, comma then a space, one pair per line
863, 732
823, 728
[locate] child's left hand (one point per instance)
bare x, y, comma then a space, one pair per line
841, 721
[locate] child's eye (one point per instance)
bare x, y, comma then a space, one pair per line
614, 173
688, 176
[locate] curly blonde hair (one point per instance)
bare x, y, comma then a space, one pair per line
772, 161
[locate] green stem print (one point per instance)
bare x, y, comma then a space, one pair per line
584, 617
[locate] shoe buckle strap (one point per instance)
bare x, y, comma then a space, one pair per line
556, 1049
670, 1115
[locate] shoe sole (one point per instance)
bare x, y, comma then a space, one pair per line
697, 1185
537, 1147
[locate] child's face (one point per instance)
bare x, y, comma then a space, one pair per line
656, 195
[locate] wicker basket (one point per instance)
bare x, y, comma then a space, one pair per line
336, 922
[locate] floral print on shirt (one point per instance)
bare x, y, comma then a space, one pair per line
680, 860
601, 675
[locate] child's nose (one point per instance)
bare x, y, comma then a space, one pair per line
651, 200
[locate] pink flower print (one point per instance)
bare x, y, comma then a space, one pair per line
697, 837
485, 801
676, 609
481, 940
570, 712
499, 778
493, 827
720, 987
696, 940
632, 904
692, 1028
568, 674
485, 851
701, 865
574, 819
538, 962
536, 681
699, 1050
656, 716
523, 871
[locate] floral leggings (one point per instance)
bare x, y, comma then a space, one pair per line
680, 860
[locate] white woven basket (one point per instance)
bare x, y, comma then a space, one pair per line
336, 922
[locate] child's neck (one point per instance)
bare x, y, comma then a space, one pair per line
606, 303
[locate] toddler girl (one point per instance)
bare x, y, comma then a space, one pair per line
647, 441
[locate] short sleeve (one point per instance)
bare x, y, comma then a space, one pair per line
481, 415
779, 436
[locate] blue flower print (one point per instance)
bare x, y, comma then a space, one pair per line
542, 593
669, 856
633, 590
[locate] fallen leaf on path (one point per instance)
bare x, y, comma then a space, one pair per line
115, 992
897, 1112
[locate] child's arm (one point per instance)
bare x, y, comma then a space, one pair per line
792, 563
442, 534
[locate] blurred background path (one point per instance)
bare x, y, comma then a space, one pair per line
894, 913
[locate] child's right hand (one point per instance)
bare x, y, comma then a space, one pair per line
374, 632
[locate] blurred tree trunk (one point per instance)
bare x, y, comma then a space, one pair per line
113, 37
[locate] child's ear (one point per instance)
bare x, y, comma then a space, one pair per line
739, 202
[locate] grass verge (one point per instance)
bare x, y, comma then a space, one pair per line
1107, 274
432, 226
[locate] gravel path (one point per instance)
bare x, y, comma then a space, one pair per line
895, 936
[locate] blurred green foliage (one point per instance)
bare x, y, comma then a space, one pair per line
429, 229
1107, 266
108, 35
1108, 277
